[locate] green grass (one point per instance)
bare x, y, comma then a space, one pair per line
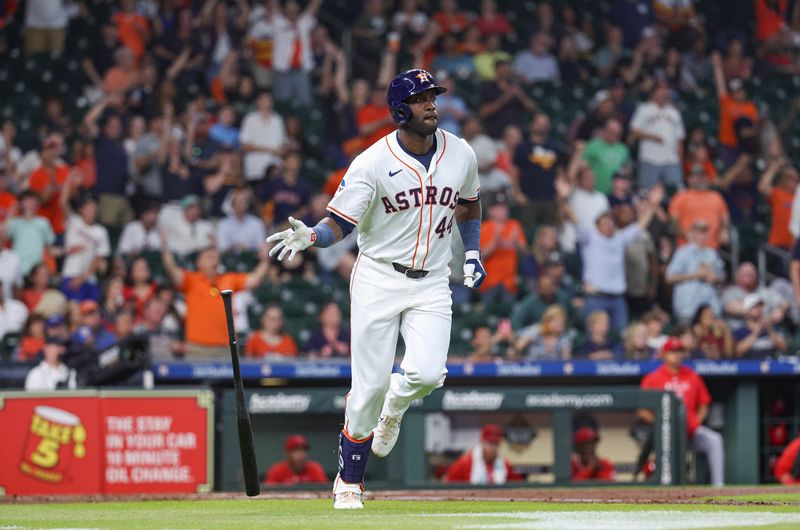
319, 515
762, 497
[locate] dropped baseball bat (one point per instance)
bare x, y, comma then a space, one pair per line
246, 446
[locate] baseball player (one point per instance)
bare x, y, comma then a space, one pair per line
404, 193
691, 389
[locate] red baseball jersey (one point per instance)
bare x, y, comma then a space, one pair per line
603, 471
281, 473
686, 384
786, 462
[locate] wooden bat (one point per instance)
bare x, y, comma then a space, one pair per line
246, 446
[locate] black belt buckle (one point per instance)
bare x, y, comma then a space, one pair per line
414, 274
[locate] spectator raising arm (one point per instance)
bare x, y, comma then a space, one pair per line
794, 274
166, 133
719, 76
765, 183
654, 199
174, 272
90, 120
256, 277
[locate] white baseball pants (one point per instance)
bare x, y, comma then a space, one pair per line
383, 303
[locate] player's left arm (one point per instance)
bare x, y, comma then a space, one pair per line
468, 217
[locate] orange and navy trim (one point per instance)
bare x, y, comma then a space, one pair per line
430, 225
342, 215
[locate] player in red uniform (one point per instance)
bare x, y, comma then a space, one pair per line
297, 468
690, 388
483, 464
586, 465
787, 468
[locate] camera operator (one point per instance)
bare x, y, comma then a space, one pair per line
51, 373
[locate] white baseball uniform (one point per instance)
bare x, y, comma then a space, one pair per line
405, 215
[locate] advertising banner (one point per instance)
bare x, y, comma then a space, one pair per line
50, 445
89, 442
156, 445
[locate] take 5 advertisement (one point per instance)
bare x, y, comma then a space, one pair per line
89, 442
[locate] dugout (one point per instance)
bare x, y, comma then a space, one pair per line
545, 458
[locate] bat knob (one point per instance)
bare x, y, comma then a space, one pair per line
226, 292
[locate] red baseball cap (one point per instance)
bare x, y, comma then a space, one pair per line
295, 441
672, 344
492, 432
585, 434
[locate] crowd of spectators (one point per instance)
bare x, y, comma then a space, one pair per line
606, 227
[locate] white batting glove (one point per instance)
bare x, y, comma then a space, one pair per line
292, 240
474, 273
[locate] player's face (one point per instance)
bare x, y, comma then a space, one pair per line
490, 450
585, 449
424, 117
673, 359
297, 458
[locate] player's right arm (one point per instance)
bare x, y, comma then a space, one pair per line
354, 196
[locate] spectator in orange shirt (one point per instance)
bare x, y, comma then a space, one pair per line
206, 329
8, 201
270, 339
132, 28
334, 179
32, 342
771, 17
373, 119
483, 463
123, 75
297, 468
779, 193
490, 21
699, 203
738, 117
450, 19
48, 181
699, 156
502, 240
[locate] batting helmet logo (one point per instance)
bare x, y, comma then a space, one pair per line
405, 85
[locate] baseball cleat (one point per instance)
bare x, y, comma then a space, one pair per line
386, 434
348, 500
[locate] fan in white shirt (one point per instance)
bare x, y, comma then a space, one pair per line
658, 126
51, 373
186, 231
585, 203
240, 230
13, 315
263, 138
292, 58
86, 241
141, 235
10, 268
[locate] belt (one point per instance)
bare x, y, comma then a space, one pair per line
414, 274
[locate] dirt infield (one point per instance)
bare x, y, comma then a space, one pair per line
630, 494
